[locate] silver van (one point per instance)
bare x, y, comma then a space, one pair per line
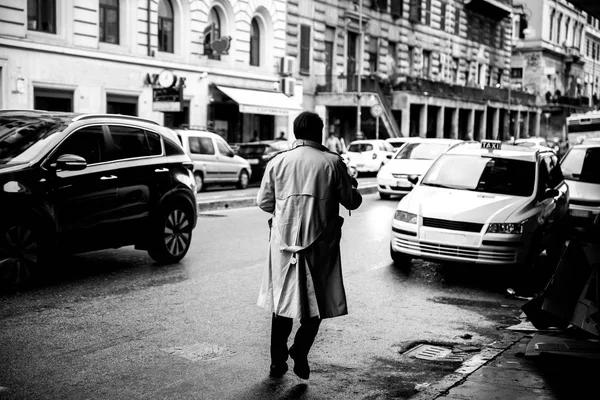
214, 160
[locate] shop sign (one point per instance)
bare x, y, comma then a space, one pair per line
221, 45
249, 109
167, 91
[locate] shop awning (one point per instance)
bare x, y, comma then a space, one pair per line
261, 102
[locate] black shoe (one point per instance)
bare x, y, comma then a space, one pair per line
301, 367
277, 371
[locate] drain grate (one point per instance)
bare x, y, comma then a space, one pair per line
433, 353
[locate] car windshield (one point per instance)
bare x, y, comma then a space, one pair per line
582, 164
21, 137
421, 151
482, 174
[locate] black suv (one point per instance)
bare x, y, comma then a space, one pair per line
72, 183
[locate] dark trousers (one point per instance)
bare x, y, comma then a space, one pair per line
281, 327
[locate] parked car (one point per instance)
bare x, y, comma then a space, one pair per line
74, 183
259, 153
481, 205
531, 141
370, 154
413, 159
214, 160
581, 169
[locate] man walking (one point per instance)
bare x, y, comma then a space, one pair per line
303, 188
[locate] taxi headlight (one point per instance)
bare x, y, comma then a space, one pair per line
506, 227
405, 217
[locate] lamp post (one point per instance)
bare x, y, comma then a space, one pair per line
359, 72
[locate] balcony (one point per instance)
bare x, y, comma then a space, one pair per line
572, 54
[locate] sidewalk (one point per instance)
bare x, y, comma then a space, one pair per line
506, 372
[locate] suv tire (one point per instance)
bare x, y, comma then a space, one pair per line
171, 233
242, 182
24, 249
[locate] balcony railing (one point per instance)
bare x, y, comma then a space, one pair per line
341, 84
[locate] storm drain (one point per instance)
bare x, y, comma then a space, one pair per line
199, 352
433, 353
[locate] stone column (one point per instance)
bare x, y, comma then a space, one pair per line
454, 131
536, 124
495, 124
526, 124
482, 125
471, 124
423, 121
405, 122
518, 125
440, 122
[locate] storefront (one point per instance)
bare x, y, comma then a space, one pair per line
242, 115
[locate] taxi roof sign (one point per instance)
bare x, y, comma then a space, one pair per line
491, 145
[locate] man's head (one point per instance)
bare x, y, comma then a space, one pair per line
308, 126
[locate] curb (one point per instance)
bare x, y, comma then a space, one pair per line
467, 368
242, 202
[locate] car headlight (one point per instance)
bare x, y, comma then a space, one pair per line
405, 217
506, 227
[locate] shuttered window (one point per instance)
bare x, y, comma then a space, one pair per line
304, 49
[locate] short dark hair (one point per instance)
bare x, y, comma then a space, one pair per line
309, 126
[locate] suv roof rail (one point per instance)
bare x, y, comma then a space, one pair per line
121, 116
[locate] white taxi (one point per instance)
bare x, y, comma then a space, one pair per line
484, 204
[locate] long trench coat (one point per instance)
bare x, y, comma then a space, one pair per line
303, 188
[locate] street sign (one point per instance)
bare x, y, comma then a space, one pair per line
376, 110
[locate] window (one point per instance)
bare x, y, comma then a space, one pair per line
426, 64
304, 49
427, 12
212, 32
201, 145
109, 21
380, 5
516, 73
134, 142
396, 8
88, 143
118, 104
457, 21
41, 15
551, 32
166, 30
373, 55
443, 17
499, 76
254, 43
224, 149
52, 100
415, 11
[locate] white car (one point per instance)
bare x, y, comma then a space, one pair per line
581, 169
414, 158
214, 160
370, 154
397, 142
502, 206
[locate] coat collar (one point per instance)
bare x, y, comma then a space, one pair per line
310, 143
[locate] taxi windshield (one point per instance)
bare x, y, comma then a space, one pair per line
421, 151
582, 164
482, 174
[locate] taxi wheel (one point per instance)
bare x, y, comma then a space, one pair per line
242, 182
400, 260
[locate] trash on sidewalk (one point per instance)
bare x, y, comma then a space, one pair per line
541, 343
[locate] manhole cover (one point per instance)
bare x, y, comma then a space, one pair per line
433, 353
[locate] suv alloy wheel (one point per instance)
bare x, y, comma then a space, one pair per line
171, 233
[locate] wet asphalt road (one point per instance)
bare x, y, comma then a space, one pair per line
112, 325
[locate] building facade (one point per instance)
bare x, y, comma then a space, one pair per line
431, 68
553, 61
179, 62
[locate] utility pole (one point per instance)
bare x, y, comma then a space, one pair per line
359, 72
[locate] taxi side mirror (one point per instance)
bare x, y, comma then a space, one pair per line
550, 193
413, 179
